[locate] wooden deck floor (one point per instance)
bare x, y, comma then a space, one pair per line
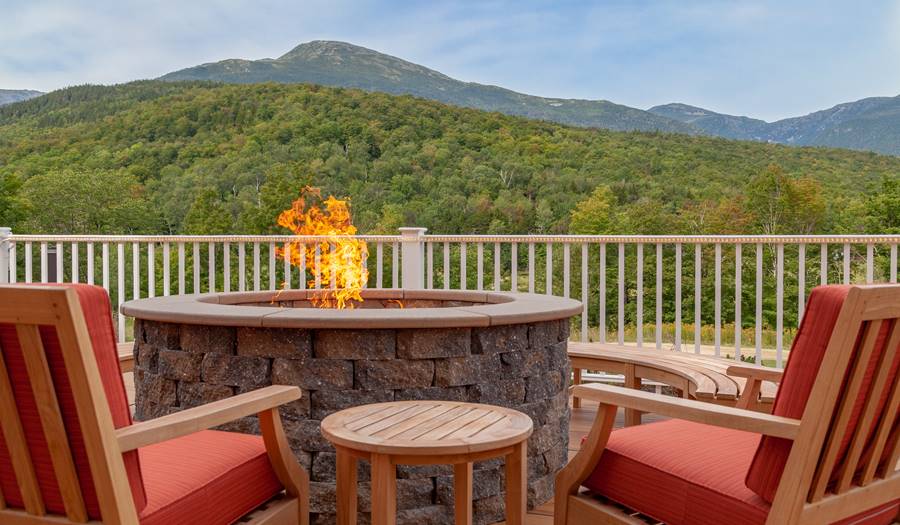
579, 427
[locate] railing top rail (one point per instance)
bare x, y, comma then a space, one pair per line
673, 239
574, 239
197, 238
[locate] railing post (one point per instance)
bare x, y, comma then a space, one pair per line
5, 233
412, 244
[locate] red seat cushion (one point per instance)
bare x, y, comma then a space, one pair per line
95, 305
684, 473
806, 357
207, 478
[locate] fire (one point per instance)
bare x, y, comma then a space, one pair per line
339, 265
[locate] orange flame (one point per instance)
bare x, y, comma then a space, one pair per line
338, 265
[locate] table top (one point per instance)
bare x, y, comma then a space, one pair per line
426, 427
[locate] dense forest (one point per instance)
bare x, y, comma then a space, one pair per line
159, 157
202, 158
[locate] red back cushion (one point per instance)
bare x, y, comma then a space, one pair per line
95, 305
806, 357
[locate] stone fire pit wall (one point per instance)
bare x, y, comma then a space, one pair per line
523, 365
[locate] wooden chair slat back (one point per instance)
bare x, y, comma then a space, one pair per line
35, 312
856, 392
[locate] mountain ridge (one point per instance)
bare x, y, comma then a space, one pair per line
341, 64
11, 96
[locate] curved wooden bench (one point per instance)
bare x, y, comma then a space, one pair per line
701, 377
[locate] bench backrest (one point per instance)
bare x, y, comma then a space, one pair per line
62, 396
842, 382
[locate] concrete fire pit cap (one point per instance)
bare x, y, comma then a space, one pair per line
291, 309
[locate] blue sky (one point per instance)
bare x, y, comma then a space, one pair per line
765, 59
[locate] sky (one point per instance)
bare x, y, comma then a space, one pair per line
764, 59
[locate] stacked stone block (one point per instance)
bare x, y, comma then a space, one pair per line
521, 366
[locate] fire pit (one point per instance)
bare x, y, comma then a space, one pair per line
505, 349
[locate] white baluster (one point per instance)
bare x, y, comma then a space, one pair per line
446, 267
779, 305
212, 267
620, 329
759, 302
256, 272
496, 266
870, 266
379, 265
801, 280
226, 266
584, 292
90, 263
567, 262
151, 271
135, 271
74, 249
718, 299
429, 267
286, 285
302, 270
44, 262
13, 263
549, 270
823, 264
242, 266
678, 297
479, 265
395, 261
738, 322
195, 247
273, 268
462, 266
181, 269
893, 262
846, 264
514, 267
531, 267
167, 269
639, 309
698, 284
59, 262
120, 289
659, 294
104, 255
28, 263
601, 321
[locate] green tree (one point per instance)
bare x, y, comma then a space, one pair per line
781, 204
87, 202
595, 214
883, 208
208, 215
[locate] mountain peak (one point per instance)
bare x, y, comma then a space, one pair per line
317, 48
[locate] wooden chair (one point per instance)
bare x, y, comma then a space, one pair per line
69, 452
828, 453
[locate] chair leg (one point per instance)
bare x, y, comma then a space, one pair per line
289, 472
576, 380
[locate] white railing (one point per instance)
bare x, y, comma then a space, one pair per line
716, 294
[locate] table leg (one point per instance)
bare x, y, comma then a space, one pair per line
632, 417
384, 490
462, 490
516, 488
346, 487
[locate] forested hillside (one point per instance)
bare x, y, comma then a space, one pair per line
163, 157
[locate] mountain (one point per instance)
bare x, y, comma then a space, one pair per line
9, 96
341, 64
871, 124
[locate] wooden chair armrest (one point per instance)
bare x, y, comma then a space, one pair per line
204, 417
690, 410
755, 372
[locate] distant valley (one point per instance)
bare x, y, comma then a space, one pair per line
9, 96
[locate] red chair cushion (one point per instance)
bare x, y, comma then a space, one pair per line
684, 473
207, 478
806, 357
95, 305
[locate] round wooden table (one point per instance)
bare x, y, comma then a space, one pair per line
427, 433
